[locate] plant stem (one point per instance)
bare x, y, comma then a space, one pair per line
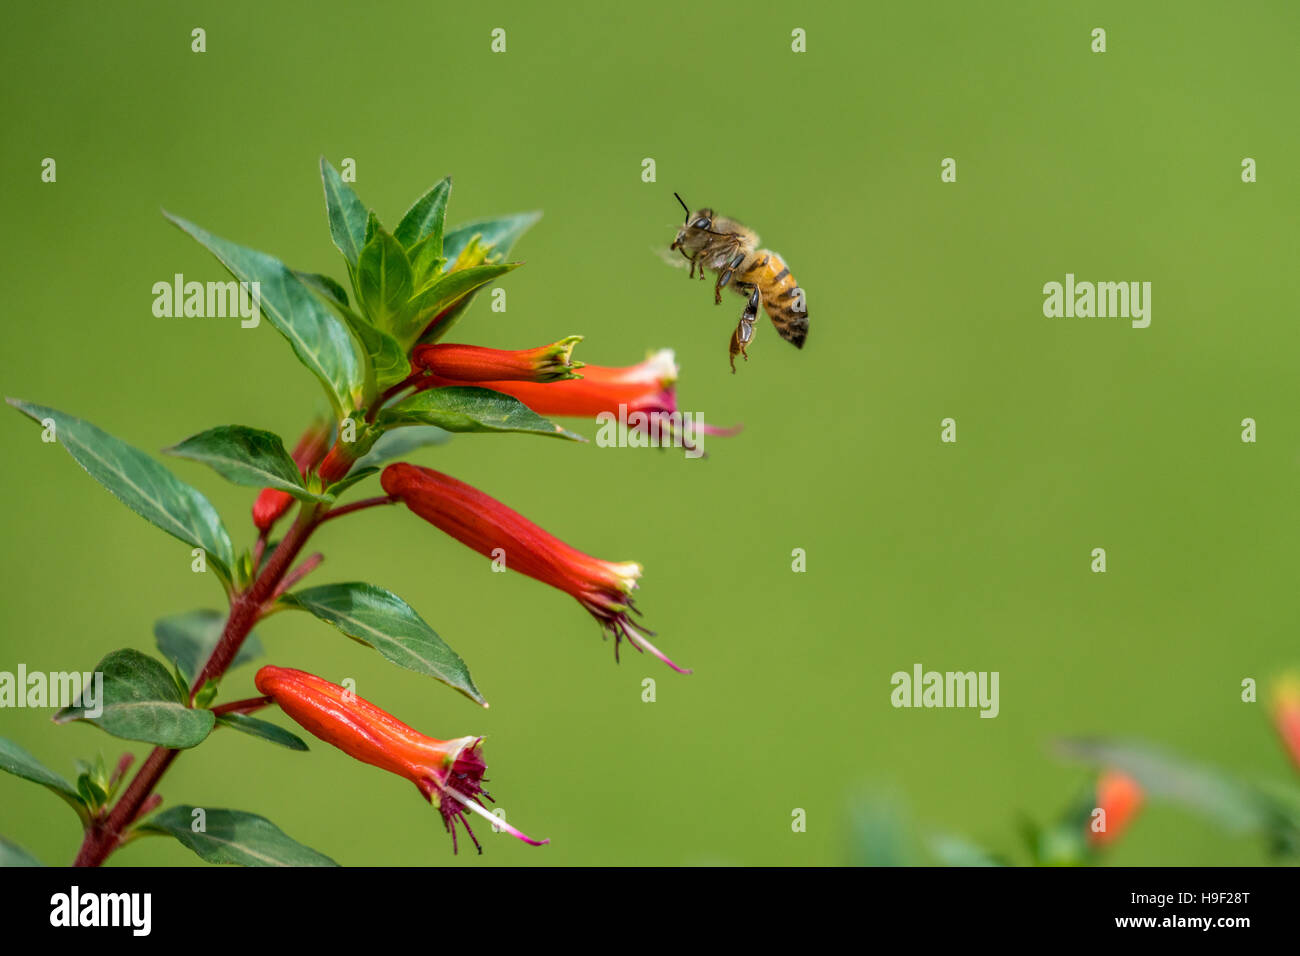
105, 835
408, 382
242, 706
246, 608
358, 505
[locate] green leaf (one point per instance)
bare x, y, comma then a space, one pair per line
388, 361
357, 474
322, 343
262, 728
384, 282
444, 292
324, 286
140, 483
15, 760
399, 441
232, 836
499, 233
141, 702
347, 214
188, 640
380, 619
246, 456
952, 850
426, 260
11, 854
92, 782
207, 693
465, 408
382, 358
882, 831
468, 246
425, 219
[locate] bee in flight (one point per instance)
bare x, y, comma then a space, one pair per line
731, 250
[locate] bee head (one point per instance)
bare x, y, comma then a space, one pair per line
695, 230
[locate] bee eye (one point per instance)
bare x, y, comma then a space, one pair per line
701, 223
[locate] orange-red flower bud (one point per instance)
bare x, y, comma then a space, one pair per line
449, 773
470, 363
484, 524
271, 503
1286, 715
337, 462
1120, 796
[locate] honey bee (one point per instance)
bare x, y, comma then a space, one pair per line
731, 250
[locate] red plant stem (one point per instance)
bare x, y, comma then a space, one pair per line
105, 835
357, 506
242, 706
246, 608
401, 386
298, 573
123, 765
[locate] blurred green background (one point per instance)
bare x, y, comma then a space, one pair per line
925, 300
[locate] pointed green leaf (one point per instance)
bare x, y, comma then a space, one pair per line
347, 214
425, 219
141, 702
388, 361
11, 854
188, 639
324, 286
426, 260
15, 760
91, 786
321, 342
399, 441
140, 483
500, 233
357, 474
263, 729
246, 456
382, 620
384, 282
448, 290
232, 836
378, 351
465, 408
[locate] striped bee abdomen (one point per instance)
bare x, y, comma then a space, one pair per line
782, 297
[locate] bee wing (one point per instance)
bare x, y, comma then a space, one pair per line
676, 259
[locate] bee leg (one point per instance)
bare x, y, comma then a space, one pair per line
745, 329
725, 276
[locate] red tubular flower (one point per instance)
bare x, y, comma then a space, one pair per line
471, 363
1286, 715
647, 389
449, 773
1120, 796
271, 504
484, 524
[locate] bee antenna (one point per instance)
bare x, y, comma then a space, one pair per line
684, 206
